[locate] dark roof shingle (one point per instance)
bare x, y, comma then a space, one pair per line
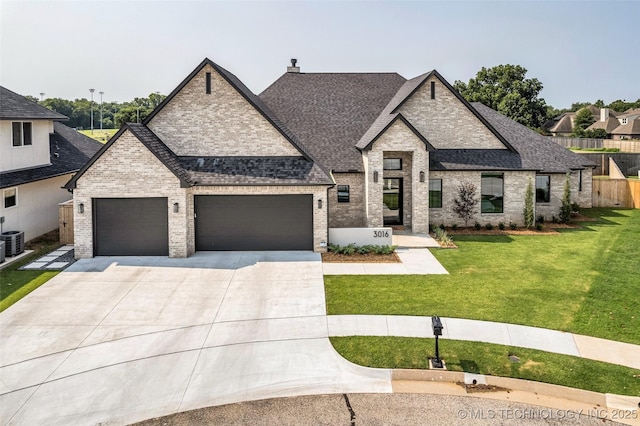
16, 107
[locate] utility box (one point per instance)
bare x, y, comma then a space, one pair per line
14, 242
1, 251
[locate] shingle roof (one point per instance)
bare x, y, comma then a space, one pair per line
17, 107
474, 159
192, 171
561, 124
536, 152
608, 125
329, 112
254, 171
631, 128
69, 151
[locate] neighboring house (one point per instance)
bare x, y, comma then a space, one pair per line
38, 156
563, 124
215, 167
628, 125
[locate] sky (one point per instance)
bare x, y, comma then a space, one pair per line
579, 50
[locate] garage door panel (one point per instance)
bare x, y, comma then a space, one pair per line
130, 227
256, 222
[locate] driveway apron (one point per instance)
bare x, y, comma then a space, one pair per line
121, 339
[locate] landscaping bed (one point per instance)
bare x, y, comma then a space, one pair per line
331, 257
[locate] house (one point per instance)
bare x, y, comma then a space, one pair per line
216, 167
628, 125
38, 156
563, 125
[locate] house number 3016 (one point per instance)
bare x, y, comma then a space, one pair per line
380, 234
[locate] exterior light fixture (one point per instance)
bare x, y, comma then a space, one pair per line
176, 207
421, 176
320, 204
81, 208
375, 177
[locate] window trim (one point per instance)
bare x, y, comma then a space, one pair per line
23, 126
384, 167
547, 199
15, 197
431, 206
343, 194
492, 175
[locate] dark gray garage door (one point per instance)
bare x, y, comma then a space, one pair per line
254, 222
130, 227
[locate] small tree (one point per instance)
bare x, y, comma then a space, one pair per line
529, 213
465, 202
565, 209
582, 120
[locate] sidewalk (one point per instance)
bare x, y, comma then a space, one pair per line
522, 336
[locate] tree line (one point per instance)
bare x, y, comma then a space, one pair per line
504, 88
114, 114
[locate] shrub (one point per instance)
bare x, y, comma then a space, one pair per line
565, 209
465, 202
501, 226
540, 219
555, 219
477, 226
528, 205
442, 226
442, 237
488, 226
575, 209
454, 226
512, 226
539, 226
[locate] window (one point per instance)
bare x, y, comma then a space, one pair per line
492, 193
10, 198
433, 90
22, 134
435, 193
624, 121
392, 164
543, 189
343, 193
208, 83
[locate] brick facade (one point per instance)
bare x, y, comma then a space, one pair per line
398, 141
445, 121
222, 123
351, 214
128, 170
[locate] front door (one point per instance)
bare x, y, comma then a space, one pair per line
392, 201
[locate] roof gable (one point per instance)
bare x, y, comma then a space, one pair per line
188, 120
381, 126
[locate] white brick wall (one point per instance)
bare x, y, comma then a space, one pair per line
128, 170
218, 124
351, 214
399, 138
445, 121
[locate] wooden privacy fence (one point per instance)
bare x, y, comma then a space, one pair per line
589, 143
616, 193
628, 163
65, 219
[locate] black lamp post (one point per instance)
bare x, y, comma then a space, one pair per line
436, 325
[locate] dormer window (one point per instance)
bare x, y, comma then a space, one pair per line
21, 133
624, 121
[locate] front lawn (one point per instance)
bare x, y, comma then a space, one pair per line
583, 280
484, 358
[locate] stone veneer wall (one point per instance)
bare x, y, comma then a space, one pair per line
351, 214
320, 228
128, 170
222, 123
398, 138
445, 121
515, 185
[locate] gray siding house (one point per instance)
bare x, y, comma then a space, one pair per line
216, 167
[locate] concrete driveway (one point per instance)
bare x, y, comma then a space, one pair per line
119, 340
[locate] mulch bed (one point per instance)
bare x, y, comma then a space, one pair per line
331, 257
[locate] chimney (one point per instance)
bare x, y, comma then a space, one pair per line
293, 67
604, 114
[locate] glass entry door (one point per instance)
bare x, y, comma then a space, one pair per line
392, 201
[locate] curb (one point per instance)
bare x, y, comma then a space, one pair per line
619, 408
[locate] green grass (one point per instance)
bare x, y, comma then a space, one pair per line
99, 135
15, 284
489, 359
583, 280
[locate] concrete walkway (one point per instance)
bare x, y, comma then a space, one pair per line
417, 261
542, 339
